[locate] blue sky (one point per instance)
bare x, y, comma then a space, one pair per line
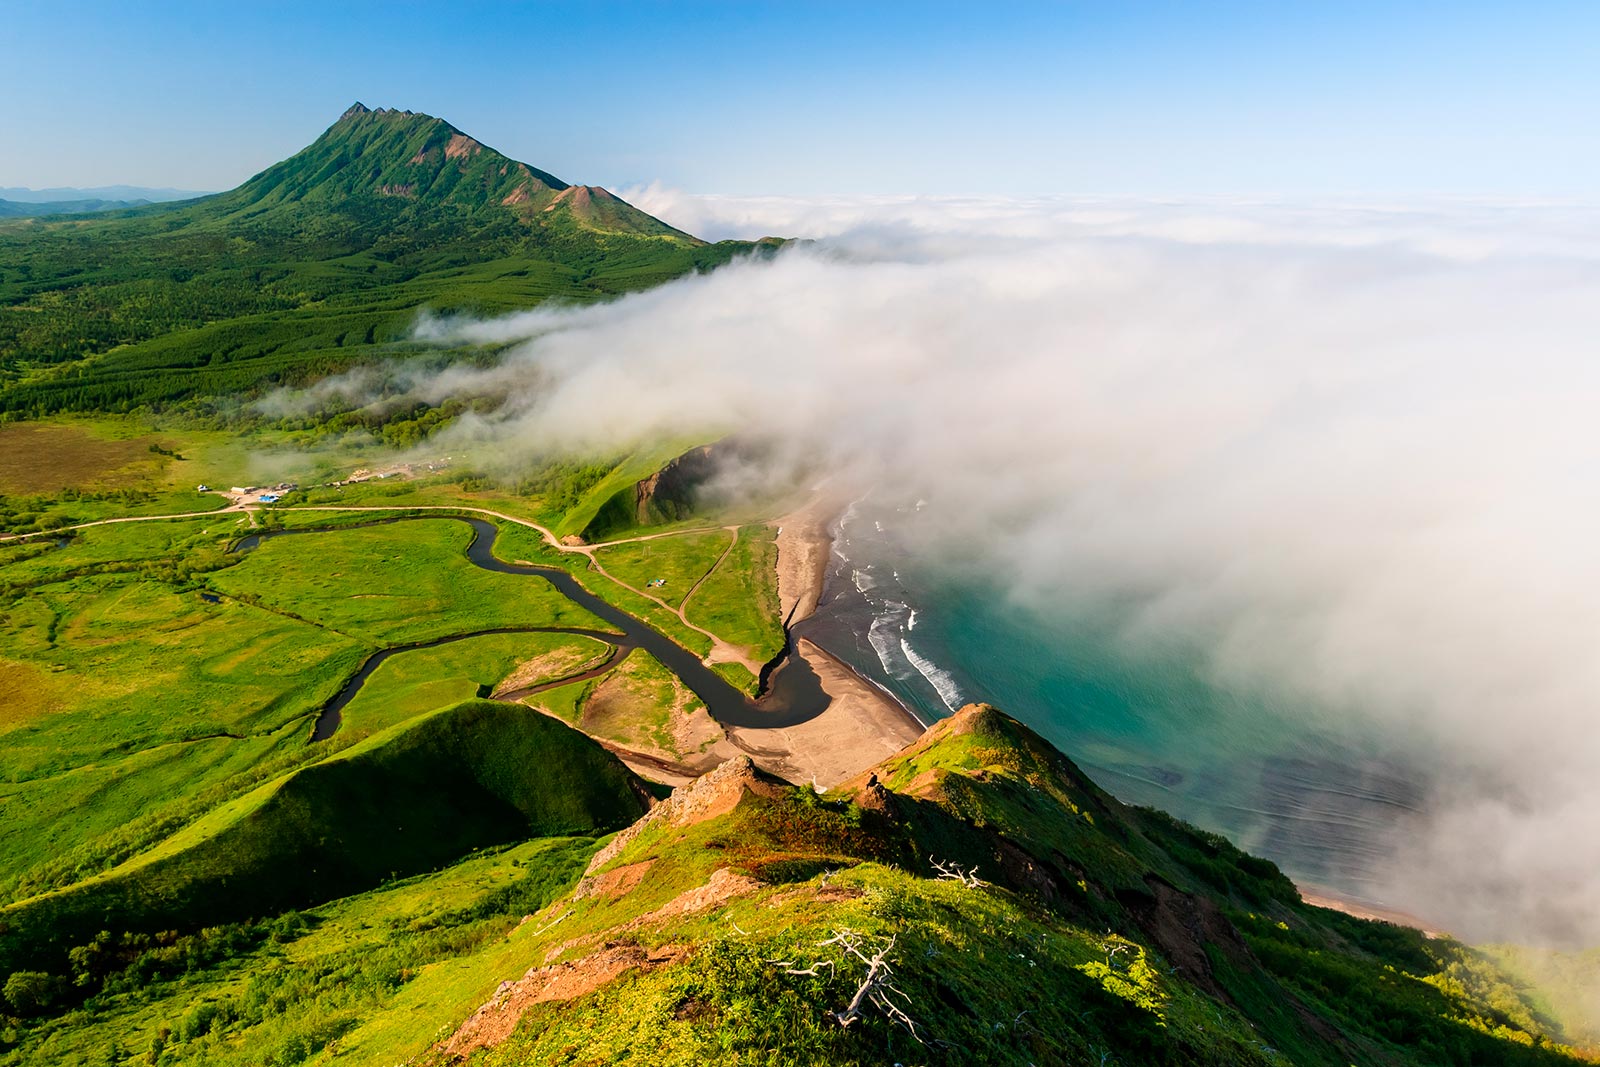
1072, 98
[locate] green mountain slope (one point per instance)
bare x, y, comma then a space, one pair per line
1017, 914
1084, 932
319, 262
407, 156
408, 799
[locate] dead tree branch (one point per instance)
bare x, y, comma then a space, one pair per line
877, 988
954, 872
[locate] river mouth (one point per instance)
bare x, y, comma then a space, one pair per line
794, 695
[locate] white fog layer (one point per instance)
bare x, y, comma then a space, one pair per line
1349, 456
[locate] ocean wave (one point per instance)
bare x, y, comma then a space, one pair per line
942, 681
885, 637
863, 580
848, 515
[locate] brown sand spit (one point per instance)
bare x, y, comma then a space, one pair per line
1321, 897
861, 726
804, 545
494, 1022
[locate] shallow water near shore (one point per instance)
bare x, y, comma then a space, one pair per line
1330, 805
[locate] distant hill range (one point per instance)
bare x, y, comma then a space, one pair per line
18, 209
318, 262
21, 202
112, 193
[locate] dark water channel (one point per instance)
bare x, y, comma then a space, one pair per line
794, 692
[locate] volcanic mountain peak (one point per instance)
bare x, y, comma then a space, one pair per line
387, 154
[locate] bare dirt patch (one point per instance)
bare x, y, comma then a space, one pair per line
715, 793
45, 458
494, 1022
461, 147
617, 882
723, 885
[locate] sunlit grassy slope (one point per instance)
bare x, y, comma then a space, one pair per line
1084, 932
404, 800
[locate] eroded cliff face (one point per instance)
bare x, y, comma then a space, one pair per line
685, 485
669, 494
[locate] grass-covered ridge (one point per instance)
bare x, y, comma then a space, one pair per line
1093, 933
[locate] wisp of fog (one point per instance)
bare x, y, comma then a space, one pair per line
1346, 455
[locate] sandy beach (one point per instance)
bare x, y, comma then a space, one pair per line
803, 543
862, 726
1333, 900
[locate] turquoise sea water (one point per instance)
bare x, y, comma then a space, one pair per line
1329, 805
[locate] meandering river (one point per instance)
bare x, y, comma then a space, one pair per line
794, 694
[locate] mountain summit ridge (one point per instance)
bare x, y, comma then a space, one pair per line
382, 153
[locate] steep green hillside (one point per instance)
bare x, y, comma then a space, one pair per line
738, 924
404, 800
319, 262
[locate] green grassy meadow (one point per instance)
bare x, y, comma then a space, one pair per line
393, 584
739, 600
405, 800
160, 675
419, 681
679, 561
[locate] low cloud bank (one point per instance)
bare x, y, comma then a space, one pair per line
1346, 455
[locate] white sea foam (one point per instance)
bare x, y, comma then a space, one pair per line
911, 620
884, 635
941, 680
